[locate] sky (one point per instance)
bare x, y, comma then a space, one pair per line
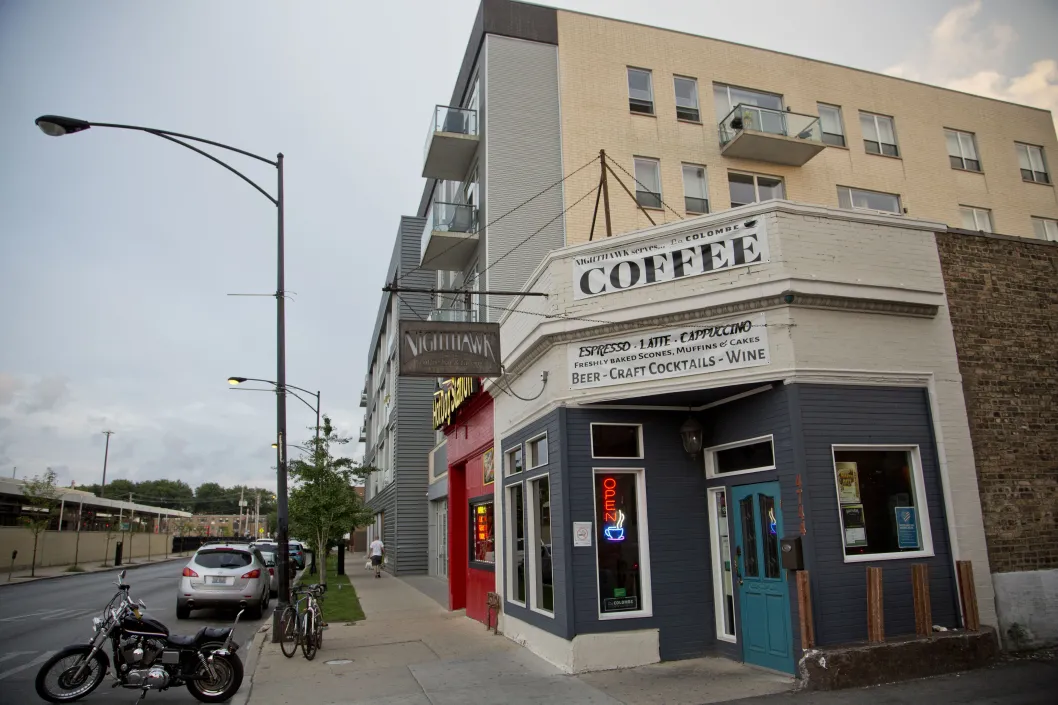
118, 250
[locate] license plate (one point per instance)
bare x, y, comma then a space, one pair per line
218, 580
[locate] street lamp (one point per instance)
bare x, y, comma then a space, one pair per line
236, 381
57, 126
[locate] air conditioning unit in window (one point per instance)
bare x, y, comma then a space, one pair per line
876, 211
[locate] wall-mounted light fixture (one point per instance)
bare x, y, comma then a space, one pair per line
691, 432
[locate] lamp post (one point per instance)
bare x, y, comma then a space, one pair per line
57, 126
236, 381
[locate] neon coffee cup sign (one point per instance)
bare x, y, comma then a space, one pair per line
613, 518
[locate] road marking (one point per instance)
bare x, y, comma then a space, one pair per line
4, 657
68, 614
31, 614
18, 669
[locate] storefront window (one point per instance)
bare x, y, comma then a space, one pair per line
722, 577
610, 440
514, 461
744, 456
540, 533
879, 501
483, 531
516, 515
618, 542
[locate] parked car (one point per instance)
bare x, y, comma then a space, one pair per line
224, 575
297, 553
273, 577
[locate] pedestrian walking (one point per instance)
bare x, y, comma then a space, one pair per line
377, 551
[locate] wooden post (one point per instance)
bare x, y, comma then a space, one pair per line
920, 592
971, 618
804, 611
875, 613
605, 193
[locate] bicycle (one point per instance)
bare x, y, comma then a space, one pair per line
302, 622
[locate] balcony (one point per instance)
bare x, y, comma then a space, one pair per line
453, 315
767, 135
363, 399
450, 238
450, 144
363, 434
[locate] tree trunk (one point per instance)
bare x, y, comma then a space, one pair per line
321, 558
33, 562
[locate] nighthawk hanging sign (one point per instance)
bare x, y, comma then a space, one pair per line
445, 349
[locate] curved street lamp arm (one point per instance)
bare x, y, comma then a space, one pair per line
157, 131
293, 394
210, 157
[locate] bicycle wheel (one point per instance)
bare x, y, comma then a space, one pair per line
308, 642
288, 632
319, 629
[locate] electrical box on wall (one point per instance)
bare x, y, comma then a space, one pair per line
792, 556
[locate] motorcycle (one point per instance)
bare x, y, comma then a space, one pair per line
146, 656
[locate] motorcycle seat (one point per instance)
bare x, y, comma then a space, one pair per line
204, 635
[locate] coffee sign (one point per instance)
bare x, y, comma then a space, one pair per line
445, 349
689, 254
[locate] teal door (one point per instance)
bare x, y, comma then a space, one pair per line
761, 582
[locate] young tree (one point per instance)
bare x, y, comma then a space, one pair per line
323, 502
41, 495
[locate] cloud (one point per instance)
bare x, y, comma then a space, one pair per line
47, 394
966, 54
9, 385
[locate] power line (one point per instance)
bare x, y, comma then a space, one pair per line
412, 308
632, 176
497, 219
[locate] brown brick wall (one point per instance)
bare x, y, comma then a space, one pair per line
1003, 299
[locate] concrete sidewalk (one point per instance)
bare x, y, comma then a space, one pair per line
60, 571
411, 651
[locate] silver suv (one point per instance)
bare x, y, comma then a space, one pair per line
224, 575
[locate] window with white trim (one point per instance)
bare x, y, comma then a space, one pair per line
541, 567
516, 544
621, 543
862, 199
1032, 164
962, 150
695, 189
536, 449
976, 218
640, 91
616, 440
745, 456
881, 502
753, 188
832, 124
686, 98
723, 583
513, 461
648, 182
1045, 228
879, 134
727, 98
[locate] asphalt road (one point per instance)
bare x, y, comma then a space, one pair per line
39, 618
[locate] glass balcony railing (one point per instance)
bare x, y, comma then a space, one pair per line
457, 121
453, 315
770, 121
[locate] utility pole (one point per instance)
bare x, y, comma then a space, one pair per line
132, 517
257, 516
106, 454
242, 503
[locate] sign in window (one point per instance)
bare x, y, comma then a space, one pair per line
618, 542
484, 544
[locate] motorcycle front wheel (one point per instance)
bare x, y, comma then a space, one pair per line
58, 680
222, 684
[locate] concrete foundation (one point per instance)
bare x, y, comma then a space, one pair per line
1027, 605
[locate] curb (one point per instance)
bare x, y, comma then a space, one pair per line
111, 569
253, 652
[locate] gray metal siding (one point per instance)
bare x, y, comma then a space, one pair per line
868, 415
523, 157
561, 542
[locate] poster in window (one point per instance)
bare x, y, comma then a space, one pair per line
489, 465
848, 483
906, 527
855, 528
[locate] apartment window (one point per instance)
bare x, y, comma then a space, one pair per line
1045, 228
640, 92
962, 150
686, 99
1033, 167
514, 461
540, 563
881, 502
752, 455
516, 547
832, 125
725, 98
648, 182
482, 528
879, 135
536, 449
857, 198
753, 188
621, 543
695, 189
976, 218
613, 440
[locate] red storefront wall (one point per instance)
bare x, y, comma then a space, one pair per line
469, 437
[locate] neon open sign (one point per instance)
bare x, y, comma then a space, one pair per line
613, 518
